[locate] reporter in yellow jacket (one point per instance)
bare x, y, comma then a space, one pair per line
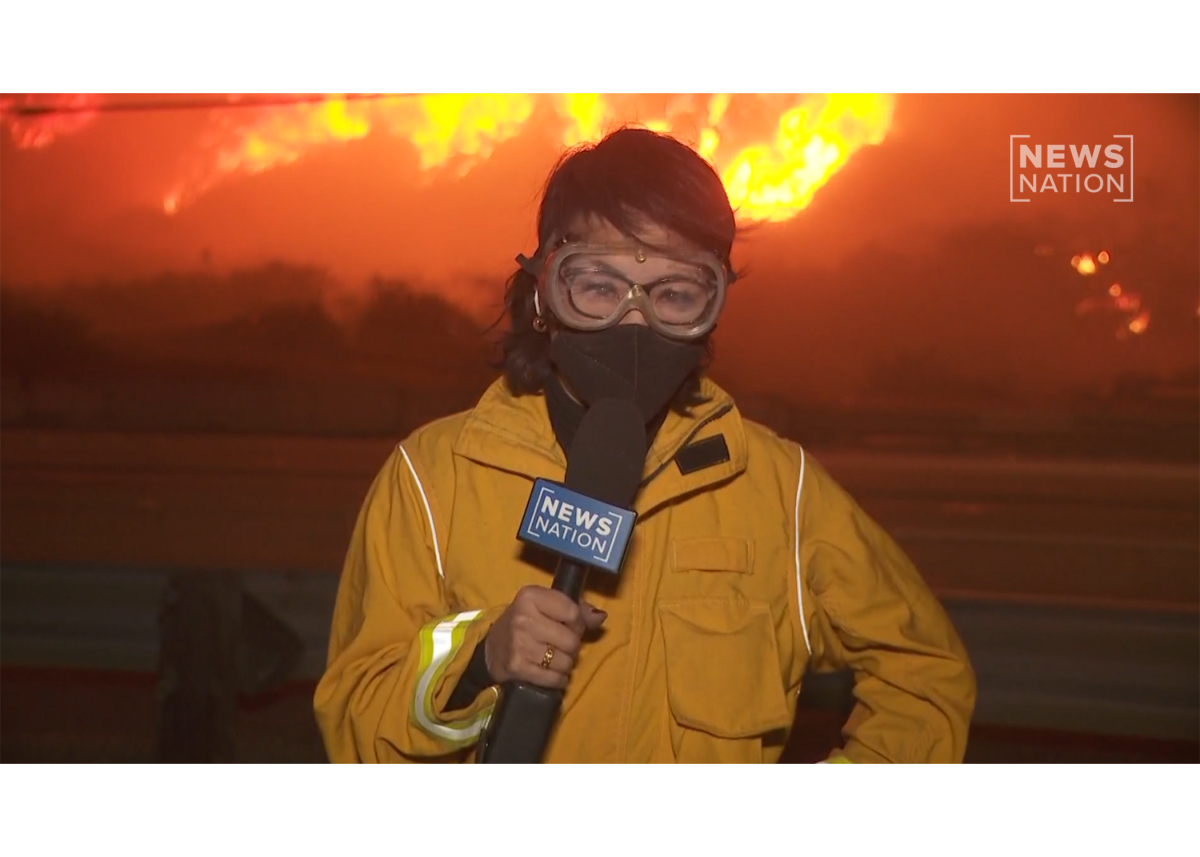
749, 564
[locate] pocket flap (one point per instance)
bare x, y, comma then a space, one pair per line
723, 673
715, 553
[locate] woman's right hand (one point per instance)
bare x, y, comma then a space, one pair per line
540, 624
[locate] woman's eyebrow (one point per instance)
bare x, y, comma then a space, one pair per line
592, 262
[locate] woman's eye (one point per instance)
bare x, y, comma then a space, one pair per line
680, 292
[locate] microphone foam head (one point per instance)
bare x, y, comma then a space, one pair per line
608, 453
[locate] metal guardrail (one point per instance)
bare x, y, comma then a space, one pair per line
1106, 669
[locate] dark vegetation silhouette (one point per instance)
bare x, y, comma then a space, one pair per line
918, 344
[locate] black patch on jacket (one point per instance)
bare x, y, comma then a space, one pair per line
701, 454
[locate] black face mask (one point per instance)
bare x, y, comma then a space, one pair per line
628, 361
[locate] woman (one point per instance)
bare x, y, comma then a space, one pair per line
748, 566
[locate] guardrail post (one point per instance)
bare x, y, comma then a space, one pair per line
217, 643
199, 627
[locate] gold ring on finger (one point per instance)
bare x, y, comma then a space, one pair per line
548, 657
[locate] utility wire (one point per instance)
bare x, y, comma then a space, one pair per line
40, 111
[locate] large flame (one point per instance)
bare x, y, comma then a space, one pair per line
773, 152
771, 170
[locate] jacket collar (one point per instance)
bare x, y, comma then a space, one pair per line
514, 434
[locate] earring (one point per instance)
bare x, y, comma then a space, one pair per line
539, 323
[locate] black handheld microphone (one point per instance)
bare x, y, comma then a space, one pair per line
604, 464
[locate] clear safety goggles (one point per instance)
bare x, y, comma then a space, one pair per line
591, 287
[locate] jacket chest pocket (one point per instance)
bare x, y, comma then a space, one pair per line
717, 567
715, 553
722, 665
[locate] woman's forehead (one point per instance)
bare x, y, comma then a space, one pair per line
596, 230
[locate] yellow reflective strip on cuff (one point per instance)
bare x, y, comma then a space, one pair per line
440, 642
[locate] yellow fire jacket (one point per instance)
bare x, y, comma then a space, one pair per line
739, 576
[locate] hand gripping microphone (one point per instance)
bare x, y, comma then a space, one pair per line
586, 522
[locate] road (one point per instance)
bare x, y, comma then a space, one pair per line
1074, 583
1080, 532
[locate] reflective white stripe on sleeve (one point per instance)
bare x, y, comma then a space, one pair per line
437, 553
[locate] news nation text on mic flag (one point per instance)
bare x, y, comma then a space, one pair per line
576, 526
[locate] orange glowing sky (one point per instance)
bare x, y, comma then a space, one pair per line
773, 152
378, 198
92, 201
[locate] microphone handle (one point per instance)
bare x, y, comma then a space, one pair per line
525, 714
569, 578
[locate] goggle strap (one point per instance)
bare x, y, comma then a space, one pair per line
528, 265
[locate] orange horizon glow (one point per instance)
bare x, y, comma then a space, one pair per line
773, 153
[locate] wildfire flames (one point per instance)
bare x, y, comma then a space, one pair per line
1135, 318
773, 152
